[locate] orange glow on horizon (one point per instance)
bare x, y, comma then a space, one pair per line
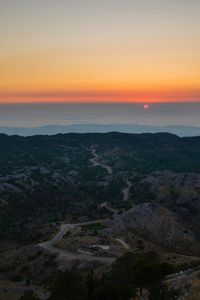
100, 96
99, 51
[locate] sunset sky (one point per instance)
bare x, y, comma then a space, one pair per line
92, 50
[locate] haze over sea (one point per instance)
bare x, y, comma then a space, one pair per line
158, 114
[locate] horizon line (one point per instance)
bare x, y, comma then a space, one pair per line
102, 102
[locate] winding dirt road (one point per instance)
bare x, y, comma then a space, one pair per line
95, 162
49, 245
126, 190
123, 243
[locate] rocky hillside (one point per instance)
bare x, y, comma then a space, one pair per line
160, 225
45, 179
115, 193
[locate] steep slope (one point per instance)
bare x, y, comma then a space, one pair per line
162, 226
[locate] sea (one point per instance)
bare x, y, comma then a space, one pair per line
155, 114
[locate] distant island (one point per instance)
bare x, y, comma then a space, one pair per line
179, 130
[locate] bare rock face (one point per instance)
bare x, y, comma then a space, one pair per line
162, 226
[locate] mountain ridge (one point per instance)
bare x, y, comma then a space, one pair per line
180, 130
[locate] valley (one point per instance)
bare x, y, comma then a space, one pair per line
89, 199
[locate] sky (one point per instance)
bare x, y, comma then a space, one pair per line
107, 51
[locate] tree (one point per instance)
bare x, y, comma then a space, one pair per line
110, 290
29, 295
68, 286
142, 271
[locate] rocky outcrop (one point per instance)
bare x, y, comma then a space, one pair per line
161, 226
